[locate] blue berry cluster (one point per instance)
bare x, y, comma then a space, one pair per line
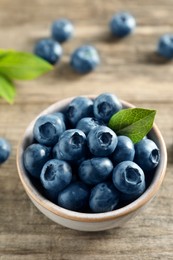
81, 164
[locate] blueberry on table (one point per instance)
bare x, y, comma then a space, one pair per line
71, 146
34, 157
74, 197
78, 108
48, 128
49, 50
105, 105
104, 197
62, 30
165, 46
86, 124
5, 150
122, 24
85, 59
129, 179
102, 141
124, 151
147, 154
55, 176
95, 170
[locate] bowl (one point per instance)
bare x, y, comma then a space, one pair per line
88, 221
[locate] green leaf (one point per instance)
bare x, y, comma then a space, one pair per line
22, 66
7, 89
132, 122
4, 52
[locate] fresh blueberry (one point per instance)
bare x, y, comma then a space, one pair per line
78, 108
95, 170
86, 124
122, 24
55, 176
165, 46
62, 30
49, 50
74, 197
124, 150
147, 154
85, 59
5, 149
71, 146
102, 141
129, 179
105, 105
34, 157
48, 128
104, 197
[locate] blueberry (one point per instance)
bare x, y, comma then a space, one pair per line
74, 197
5, 149
86, 124
147, 154
165, 46
62, 30
78, 108
55, 176
129, 179
102, 141
95, 170
34, 157
71, 146
85, 59
122, 24
124, 150
105, 105
49, 50
48, 128
104, 197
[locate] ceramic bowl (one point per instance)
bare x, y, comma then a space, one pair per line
88, 221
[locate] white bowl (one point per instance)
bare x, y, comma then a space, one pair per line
89, 221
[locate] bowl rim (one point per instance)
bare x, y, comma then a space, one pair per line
36, 196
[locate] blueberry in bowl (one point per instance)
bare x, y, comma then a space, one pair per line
90, 180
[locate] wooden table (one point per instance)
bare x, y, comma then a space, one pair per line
131, 70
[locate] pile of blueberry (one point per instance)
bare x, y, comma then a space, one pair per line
86, 58
81, 164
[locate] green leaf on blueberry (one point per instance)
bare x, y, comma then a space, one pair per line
133, 122
20, 66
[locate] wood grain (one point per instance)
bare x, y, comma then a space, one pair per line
131, 69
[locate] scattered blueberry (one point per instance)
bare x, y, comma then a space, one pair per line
74, 197
55, 176
62, 30
48, 128
71, 146
147, 154
49, 50
78, 108
104, 197
34, 157
85, 59
122, 24
129, 178
105, 105
86, 124
5, 149
95, 170
102, 141
124, 150
165, 46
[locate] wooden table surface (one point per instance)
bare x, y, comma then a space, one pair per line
130, 69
